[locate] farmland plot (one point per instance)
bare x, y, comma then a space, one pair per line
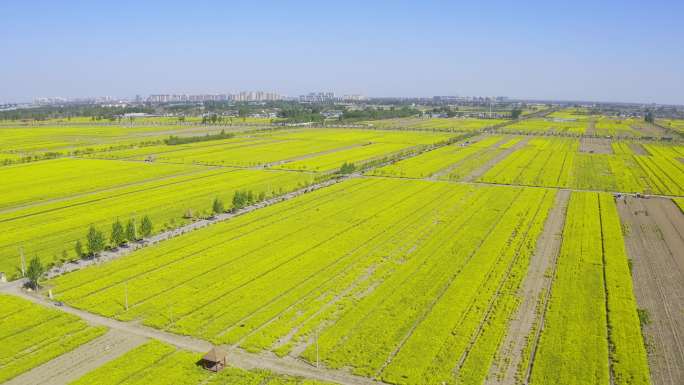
357, 155
425, 302
673, 124
654, 230
364, 135
591, 332
558, 163
32, 183
574, 126
437, 124
31, 335
159, 363
67, 139
51, 229
443, 158
304, 149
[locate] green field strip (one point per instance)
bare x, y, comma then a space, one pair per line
37, 334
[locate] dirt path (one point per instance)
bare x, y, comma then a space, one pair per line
236, 357
315, 154
595, 145
655, 244
125, 250
638, 149
537, 281
450, 168
478, 172
72, 365
650, 129
591, 128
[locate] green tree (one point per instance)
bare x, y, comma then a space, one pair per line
78, 248
96, 240
146, 226
239, 200
131, 234
347, 168
34, 272
515, 113
649, 117
118, 236
217, 207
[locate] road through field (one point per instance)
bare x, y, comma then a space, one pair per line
498, 158
655, 243
449, 169
537, 282
236, 357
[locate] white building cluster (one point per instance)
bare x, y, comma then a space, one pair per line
244, 96
329, 97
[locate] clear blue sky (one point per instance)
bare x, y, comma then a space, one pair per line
587, 50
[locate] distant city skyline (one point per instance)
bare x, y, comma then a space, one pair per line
610, 51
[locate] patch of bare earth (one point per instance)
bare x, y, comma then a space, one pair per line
638, 149
595, 145
649, 129
450, 168
478, 172
537, 281
655, 243
591, 127
72, 365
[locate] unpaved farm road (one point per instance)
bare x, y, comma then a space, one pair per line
537, 281
655, 243
478, 172
236, 357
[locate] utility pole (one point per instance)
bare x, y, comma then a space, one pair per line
23, 262
317, 357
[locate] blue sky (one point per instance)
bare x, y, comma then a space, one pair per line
574, 50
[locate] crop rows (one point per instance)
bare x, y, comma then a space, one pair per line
557, 163
425, 301
591, 332
549, 125
162, 364
324, 149
32, 183
357, 155
50, 230
31, 335
453, 158
437, 124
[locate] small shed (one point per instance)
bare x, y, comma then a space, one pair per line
215, 359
